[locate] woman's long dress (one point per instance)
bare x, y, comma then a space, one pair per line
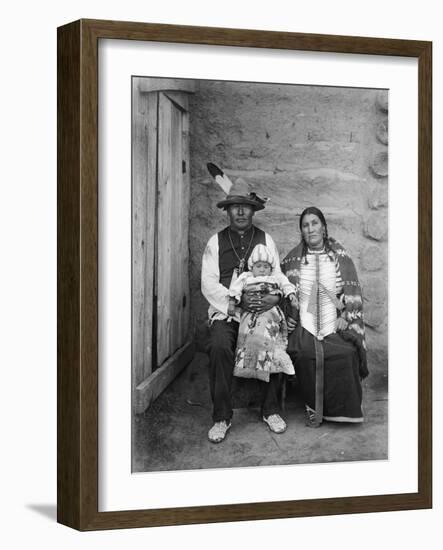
327, 366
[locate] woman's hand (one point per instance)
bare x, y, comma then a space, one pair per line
258, 304
342, 324
292, 323
231, 309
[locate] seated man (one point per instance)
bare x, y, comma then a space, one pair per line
224, 259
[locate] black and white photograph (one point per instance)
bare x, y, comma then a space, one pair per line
156, 391
259, 274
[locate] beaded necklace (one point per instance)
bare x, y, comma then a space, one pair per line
242, 261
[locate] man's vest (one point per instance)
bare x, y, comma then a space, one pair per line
228, 260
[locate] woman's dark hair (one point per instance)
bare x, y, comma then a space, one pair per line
317, 212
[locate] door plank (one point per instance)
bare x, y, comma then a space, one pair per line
151, 215
184, 246
148, 390
172, 287
175, 226
144, 135
169, 84
164, 230
180, 100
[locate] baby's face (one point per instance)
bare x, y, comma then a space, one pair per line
261, 268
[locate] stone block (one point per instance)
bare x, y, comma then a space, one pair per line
382, 132
374, 288
380, 164
372, 258
374, 316
376, 226
378, 196
382, 100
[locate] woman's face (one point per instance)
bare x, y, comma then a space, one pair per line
313, 231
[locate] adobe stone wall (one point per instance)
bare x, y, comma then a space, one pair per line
300, 146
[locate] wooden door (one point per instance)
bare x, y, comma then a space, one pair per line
161, 191
172, 280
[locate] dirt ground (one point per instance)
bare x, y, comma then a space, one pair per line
172, 433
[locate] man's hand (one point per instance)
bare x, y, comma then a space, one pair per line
341, 324
258, 304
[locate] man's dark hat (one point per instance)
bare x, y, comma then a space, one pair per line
236, 193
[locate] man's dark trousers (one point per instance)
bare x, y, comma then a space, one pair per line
221, 366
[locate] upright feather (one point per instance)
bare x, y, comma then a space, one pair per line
220, 177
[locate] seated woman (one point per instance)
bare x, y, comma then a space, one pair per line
327, 345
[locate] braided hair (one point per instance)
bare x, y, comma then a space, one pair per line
317, 212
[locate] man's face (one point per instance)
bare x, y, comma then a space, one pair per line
240, 216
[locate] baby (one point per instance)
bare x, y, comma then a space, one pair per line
262, 337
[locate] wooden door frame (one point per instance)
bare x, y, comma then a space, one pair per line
154, 382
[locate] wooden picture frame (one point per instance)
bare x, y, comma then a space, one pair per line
78, 274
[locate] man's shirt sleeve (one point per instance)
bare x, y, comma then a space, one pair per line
214, 292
